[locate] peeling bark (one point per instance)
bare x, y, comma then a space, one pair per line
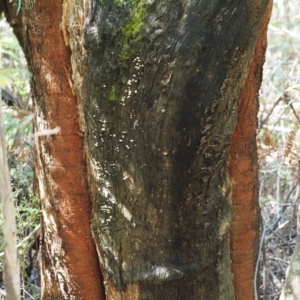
70, 266
243, 172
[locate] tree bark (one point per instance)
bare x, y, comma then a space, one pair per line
154, 96
160, 94
243, 172
70, 266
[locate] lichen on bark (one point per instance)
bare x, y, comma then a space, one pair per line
160, 186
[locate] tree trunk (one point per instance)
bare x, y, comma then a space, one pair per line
70, 265
157, 85
160, 95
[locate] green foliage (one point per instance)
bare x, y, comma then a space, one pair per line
14, 77
27, 210
27, 218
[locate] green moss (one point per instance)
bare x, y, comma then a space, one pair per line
131, 31
133, 27
112, 95
118, 2
134, 2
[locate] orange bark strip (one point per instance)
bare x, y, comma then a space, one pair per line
66, 197
243, 170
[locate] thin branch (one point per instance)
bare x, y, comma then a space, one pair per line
11, 266
26, 239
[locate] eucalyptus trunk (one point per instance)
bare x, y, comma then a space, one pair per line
145, 94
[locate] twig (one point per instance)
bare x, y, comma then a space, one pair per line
295, 113
11, 265
270, 112
257, 261
265, 271
36, 229
44, 132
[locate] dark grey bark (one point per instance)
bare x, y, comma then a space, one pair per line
160, 90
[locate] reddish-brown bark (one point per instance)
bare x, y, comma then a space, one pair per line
70, 268
243, 170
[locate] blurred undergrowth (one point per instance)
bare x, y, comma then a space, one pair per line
279, 145
14, 82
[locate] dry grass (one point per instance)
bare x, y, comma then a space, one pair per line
278, 146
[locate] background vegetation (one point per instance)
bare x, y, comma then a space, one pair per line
14, 78
278, 147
